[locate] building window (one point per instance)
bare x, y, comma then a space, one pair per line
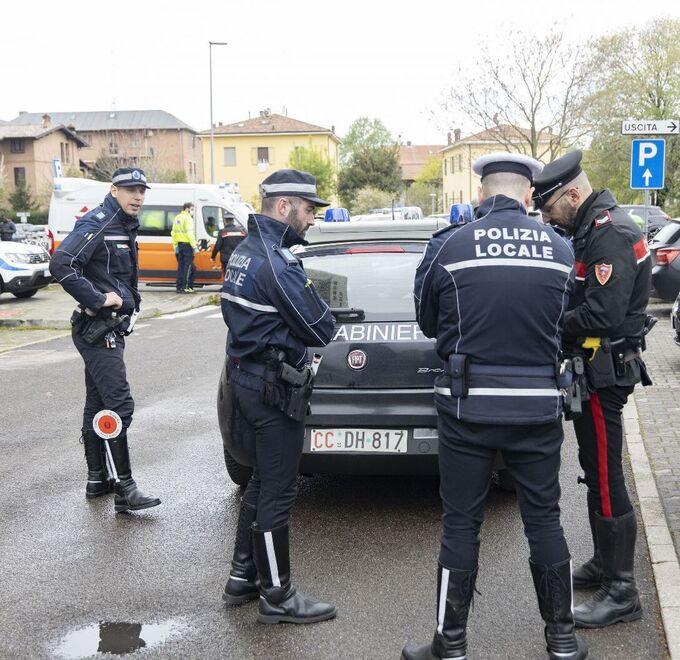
460, 163
16, 146
444, 166
19, 176
65, 152
113, 147
263, 154
230, 156
461, 196
453, 164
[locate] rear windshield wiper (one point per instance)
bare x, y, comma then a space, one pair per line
348, 314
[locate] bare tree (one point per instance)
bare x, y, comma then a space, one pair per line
531, 100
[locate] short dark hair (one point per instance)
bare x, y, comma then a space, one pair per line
187, 205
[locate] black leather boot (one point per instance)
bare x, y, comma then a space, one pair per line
617, 599
127, 497
241, 585
553, 589
280, 601
98, 481
589, 575
450, 639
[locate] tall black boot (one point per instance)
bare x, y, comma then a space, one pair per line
590, 574
617, 599
553, 589
279, 599
127, 496
241, 585
450, 639
98, 481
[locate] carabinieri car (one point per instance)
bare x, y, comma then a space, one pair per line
372, 411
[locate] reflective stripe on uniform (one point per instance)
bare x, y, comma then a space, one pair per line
501, 391
116, 238
247, 303
529, 263
271, 558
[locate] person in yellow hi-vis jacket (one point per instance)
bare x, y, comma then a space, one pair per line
184, 242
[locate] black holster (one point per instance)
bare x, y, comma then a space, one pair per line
299, 388
93, 329
458, 369
600, 370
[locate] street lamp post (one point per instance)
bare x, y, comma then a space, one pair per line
212, 125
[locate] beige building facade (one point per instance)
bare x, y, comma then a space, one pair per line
460, 183
164, 146
247, 152
28, 152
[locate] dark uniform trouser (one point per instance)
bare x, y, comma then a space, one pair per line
599, 431
185, 267
278, 447
106, 385
466, 456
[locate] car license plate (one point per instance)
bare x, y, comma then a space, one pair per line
371, 441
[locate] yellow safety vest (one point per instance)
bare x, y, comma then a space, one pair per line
183, 229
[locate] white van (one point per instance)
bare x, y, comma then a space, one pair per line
24, 268
72, 198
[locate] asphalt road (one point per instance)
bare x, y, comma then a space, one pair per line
75, 576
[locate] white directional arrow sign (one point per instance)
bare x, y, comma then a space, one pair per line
651, 127
647, 175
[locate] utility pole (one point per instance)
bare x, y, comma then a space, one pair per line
212, 124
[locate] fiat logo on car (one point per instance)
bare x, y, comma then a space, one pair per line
356, 359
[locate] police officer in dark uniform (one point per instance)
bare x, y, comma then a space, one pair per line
273, 314
227, 240
606, 318
97, 265
493, 293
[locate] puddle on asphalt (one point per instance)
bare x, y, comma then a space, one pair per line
116, 638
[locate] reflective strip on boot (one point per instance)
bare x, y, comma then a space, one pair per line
109, 462
271, 558
441, 614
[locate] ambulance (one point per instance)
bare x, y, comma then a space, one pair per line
73, 197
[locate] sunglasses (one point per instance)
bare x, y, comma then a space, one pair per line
547, 209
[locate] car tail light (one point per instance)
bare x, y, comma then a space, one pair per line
50, 238
666, 217
665, 256
375, 249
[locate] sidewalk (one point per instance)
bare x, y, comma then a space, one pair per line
51, 307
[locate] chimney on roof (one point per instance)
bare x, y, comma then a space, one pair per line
456, 135
219, 123
408, 143
22, 112
549, 130
448, 138
46, 121
333, 128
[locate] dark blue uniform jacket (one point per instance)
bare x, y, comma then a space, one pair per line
496, 291
100, 256
267, 299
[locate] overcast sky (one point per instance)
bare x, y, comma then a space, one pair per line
324, 62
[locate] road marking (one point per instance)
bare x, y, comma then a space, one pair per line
215, 316
189, 312
659, 540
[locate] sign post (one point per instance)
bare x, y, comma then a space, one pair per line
23, 216
647, 168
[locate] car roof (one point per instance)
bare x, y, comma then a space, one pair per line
372, 230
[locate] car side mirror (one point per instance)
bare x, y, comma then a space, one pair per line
203, 244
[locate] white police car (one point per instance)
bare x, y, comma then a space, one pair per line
24, 268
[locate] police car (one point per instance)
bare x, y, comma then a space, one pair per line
372, 411
24, 268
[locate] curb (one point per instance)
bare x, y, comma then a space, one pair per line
148, 312
661, 549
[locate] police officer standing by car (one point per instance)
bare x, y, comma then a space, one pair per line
227, 240
606, 320
493, 293
184, 242
273, 314
97, 265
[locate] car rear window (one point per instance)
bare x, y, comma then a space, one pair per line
379, 283
668, 233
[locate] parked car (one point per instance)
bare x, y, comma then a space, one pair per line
24, 268
655, 218
664, 249
372, 411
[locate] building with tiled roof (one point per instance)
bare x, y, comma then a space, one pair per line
413, 157
247, 151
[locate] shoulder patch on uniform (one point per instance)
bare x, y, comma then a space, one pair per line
603, 272
443, 230
603, 220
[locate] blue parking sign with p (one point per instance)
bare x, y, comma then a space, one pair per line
647, 164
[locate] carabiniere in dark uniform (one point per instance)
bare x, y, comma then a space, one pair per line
97, 265
273, 314
604, 326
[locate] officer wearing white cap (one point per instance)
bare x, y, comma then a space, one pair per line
97, 265
273, 314
493, 293
605, 322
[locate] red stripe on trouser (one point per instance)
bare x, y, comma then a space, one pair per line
602, 468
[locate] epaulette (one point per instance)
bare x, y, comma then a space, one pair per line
603, 219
